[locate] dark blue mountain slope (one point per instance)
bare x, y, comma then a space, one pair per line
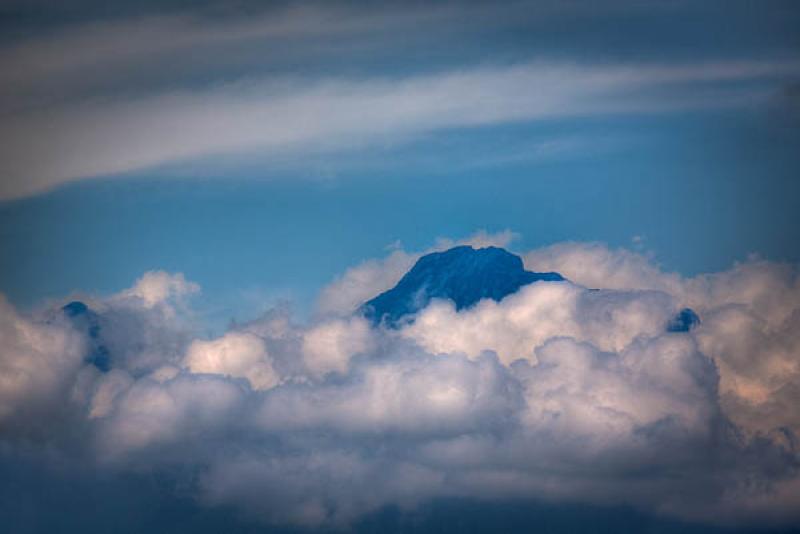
466, 275
86, 320
462, 274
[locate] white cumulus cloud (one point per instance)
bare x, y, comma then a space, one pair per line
564, 391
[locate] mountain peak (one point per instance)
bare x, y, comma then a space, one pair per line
462, 274
87, 320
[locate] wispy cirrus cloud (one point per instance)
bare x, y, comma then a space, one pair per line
102, 53
108, 136
103, 97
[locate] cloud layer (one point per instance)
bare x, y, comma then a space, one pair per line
100, 98
52, 146
564, 392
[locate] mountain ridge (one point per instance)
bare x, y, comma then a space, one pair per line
463, 274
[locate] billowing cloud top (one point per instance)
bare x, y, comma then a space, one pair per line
557, 392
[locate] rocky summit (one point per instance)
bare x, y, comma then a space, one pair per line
463, 274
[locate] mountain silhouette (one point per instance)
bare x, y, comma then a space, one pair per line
463, 274
86, 320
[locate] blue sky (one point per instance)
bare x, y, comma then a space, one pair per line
701, 189
224, 182
271, 142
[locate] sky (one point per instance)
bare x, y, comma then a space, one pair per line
224, 183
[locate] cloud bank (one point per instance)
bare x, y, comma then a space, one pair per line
562, 392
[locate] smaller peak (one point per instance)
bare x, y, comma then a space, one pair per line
87, 321
75, 308
684, 320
